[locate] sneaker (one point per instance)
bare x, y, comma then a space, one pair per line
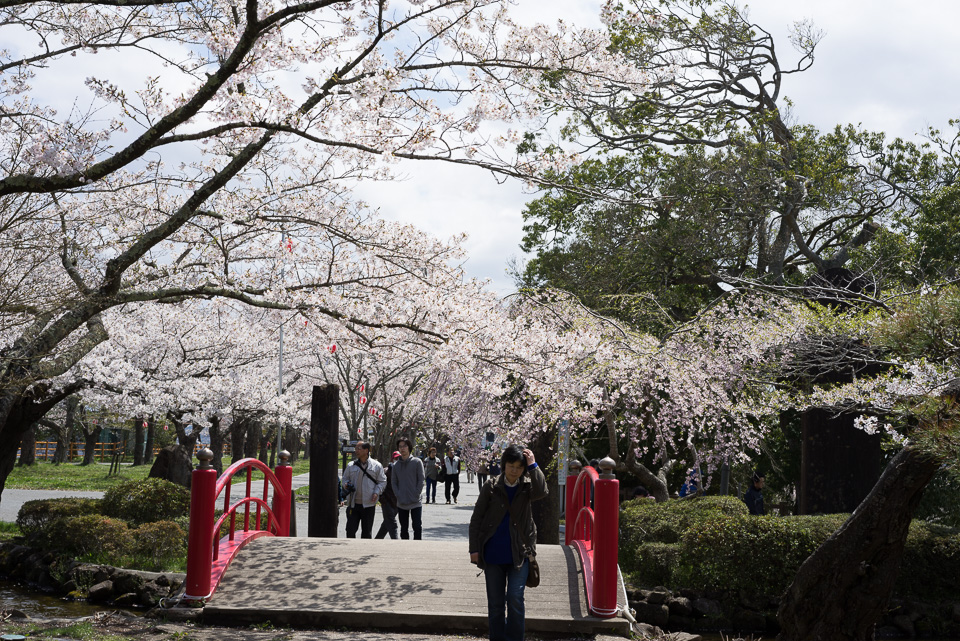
448, 502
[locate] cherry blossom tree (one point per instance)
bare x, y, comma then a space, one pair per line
216, 157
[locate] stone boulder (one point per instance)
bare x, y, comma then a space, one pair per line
173, 464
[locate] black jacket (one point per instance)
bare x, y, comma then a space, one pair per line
754, 500
493, 505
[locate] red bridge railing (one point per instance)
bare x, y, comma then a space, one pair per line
208, 558
592, 526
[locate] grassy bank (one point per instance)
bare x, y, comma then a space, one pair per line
91, 478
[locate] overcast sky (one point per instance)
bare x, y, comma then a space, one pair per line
889, 65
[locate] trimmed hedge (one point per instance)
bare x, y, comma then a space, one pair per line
711, 544
34, 516
138, 524
91, 536
162, 542
146, 501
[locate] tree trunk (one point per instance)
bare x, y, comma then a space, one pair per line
216, 443
28, 446
252, 440
138, 441
90, 440
238, 430
842, 589
62, 454
546, 513
8, 459
272, 440
291, 443
263, 445
148, 447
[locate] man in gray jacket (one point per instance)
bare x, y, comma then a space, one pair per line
407, 482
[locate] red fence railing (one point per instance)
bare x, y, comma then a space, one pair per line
592, 526
208, 558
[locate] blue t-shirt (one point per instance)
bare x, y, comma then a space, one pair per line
498, 549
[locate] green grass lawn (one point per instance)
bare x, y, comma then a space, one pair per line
93, 478
71, 476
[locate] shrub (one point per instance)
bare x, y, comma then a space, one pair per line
91, 537
646, 521
759, 555
34, 516
650, 533
657, 563
146, 501
160, 545
931, 562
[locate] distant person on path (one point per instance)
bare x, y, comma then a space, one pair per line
754, 496
388, 505
451, 463
503, 539
431, 467
364, 481
483, 472
494, 469
408, 485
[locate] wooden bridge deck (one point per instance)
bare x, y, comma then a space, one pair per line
397, 585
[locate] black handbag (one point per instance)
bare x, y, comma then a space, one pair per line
533, 578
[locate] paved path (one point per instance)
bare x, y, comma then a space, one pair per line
11, 500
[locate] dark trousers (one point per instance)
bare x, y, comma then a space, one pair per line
481, 479
505, 585
360, 517
431, 483
389, 525
405, 515
454, 481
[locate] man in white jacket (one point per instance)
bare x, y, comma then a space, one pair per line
364, 480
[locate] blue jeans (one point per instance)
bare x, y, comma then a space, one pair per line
417, 513
431, 483
505, 585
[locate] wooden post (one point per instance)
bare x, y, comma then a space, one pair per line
324, 510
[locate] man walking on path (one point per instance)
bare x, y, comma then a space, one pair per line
365, 480
388, 505
452, 464
408, 485
431, 468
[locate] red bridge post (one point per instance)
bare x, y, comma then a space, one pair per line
203, 487
283, 506
606, 539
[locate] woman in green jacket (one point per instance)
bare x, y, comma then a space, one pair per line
503, 539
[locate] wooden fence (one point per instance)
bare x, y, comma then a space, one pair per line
101, 451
